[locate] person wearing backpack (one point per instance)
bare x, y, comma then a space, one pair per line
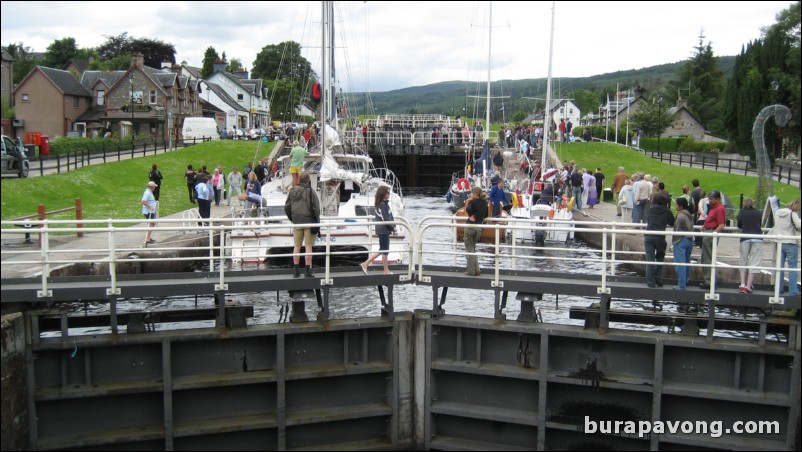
498, 162
190, 175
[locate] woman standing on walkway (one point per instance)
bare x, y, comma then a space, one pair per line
383, 213
787, 222
751, 250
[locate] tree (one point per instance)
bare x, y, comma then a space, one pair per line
766, 72
23, 60
652, 118
282, 67
209, 57
704, 82
283, 61
587, 101
153, 51
60, 52
234, 65
519, 116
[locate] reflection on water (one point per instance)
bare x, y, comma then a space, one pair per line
364, 301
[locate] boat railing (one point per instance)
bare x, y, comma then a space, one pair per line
514, 247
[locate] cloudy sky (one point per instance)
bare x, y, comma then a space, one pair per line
388, 45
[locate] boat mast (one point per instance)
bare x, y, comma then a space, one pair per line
327, 106
486, 128
547, 115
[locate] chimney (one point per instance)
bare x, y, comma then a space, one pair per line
241, 74
219, 65
682, 103
137, 60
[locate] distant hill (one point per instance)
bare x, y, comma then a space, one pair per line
452, 97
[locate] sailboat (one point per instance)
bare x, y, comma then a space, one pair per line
529, 205
476, 172
343, 177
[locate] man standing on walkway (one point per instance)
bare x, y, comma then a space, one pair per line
190, 176
302, 206
149, 209
619, 180
714, 222
658, 219
204, 195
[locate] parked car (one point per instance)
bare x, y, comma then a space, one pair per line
14, 159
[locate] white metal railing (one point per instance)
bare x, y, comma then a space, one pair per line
505, 254
124, 243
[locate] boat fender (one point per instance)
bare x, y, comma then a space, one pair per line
463, 184
570, 205
551, 214
515, 197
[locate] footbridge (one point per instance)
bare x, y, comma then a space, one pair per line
707, 358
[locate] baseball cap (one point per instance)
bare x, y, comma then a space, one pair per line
152, 184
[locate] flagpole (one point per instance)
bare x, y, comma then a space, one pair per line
626, 139
607, 119
617, 110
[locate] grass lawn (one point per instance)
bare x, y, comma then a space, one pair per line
114, 190
609, 157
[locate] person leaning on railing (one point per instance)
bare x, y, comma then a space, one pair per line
787, 223
682, 244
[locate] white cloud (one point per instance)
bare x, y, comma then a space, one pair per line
412, 43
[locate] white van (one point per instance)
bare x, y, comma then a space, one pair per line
197, 129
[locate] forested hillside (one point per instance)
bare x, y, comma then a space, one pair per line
453, 98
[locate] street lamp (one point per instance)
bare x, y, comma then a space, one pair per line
132, 105
659, 114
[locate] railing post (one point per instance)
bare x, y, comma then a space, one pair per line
79, 214
42, 215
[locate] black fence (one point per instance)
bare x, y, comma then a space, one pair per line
116, 151
786, 174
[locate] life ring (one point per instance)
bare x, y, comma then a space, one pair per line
463, 184
570, 205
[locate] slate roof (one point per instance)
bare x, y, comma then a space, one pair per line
64, 81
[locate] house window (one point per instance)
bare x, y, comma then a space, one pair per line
76, 102
152, 96
26, 98
240, 97
101, 95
